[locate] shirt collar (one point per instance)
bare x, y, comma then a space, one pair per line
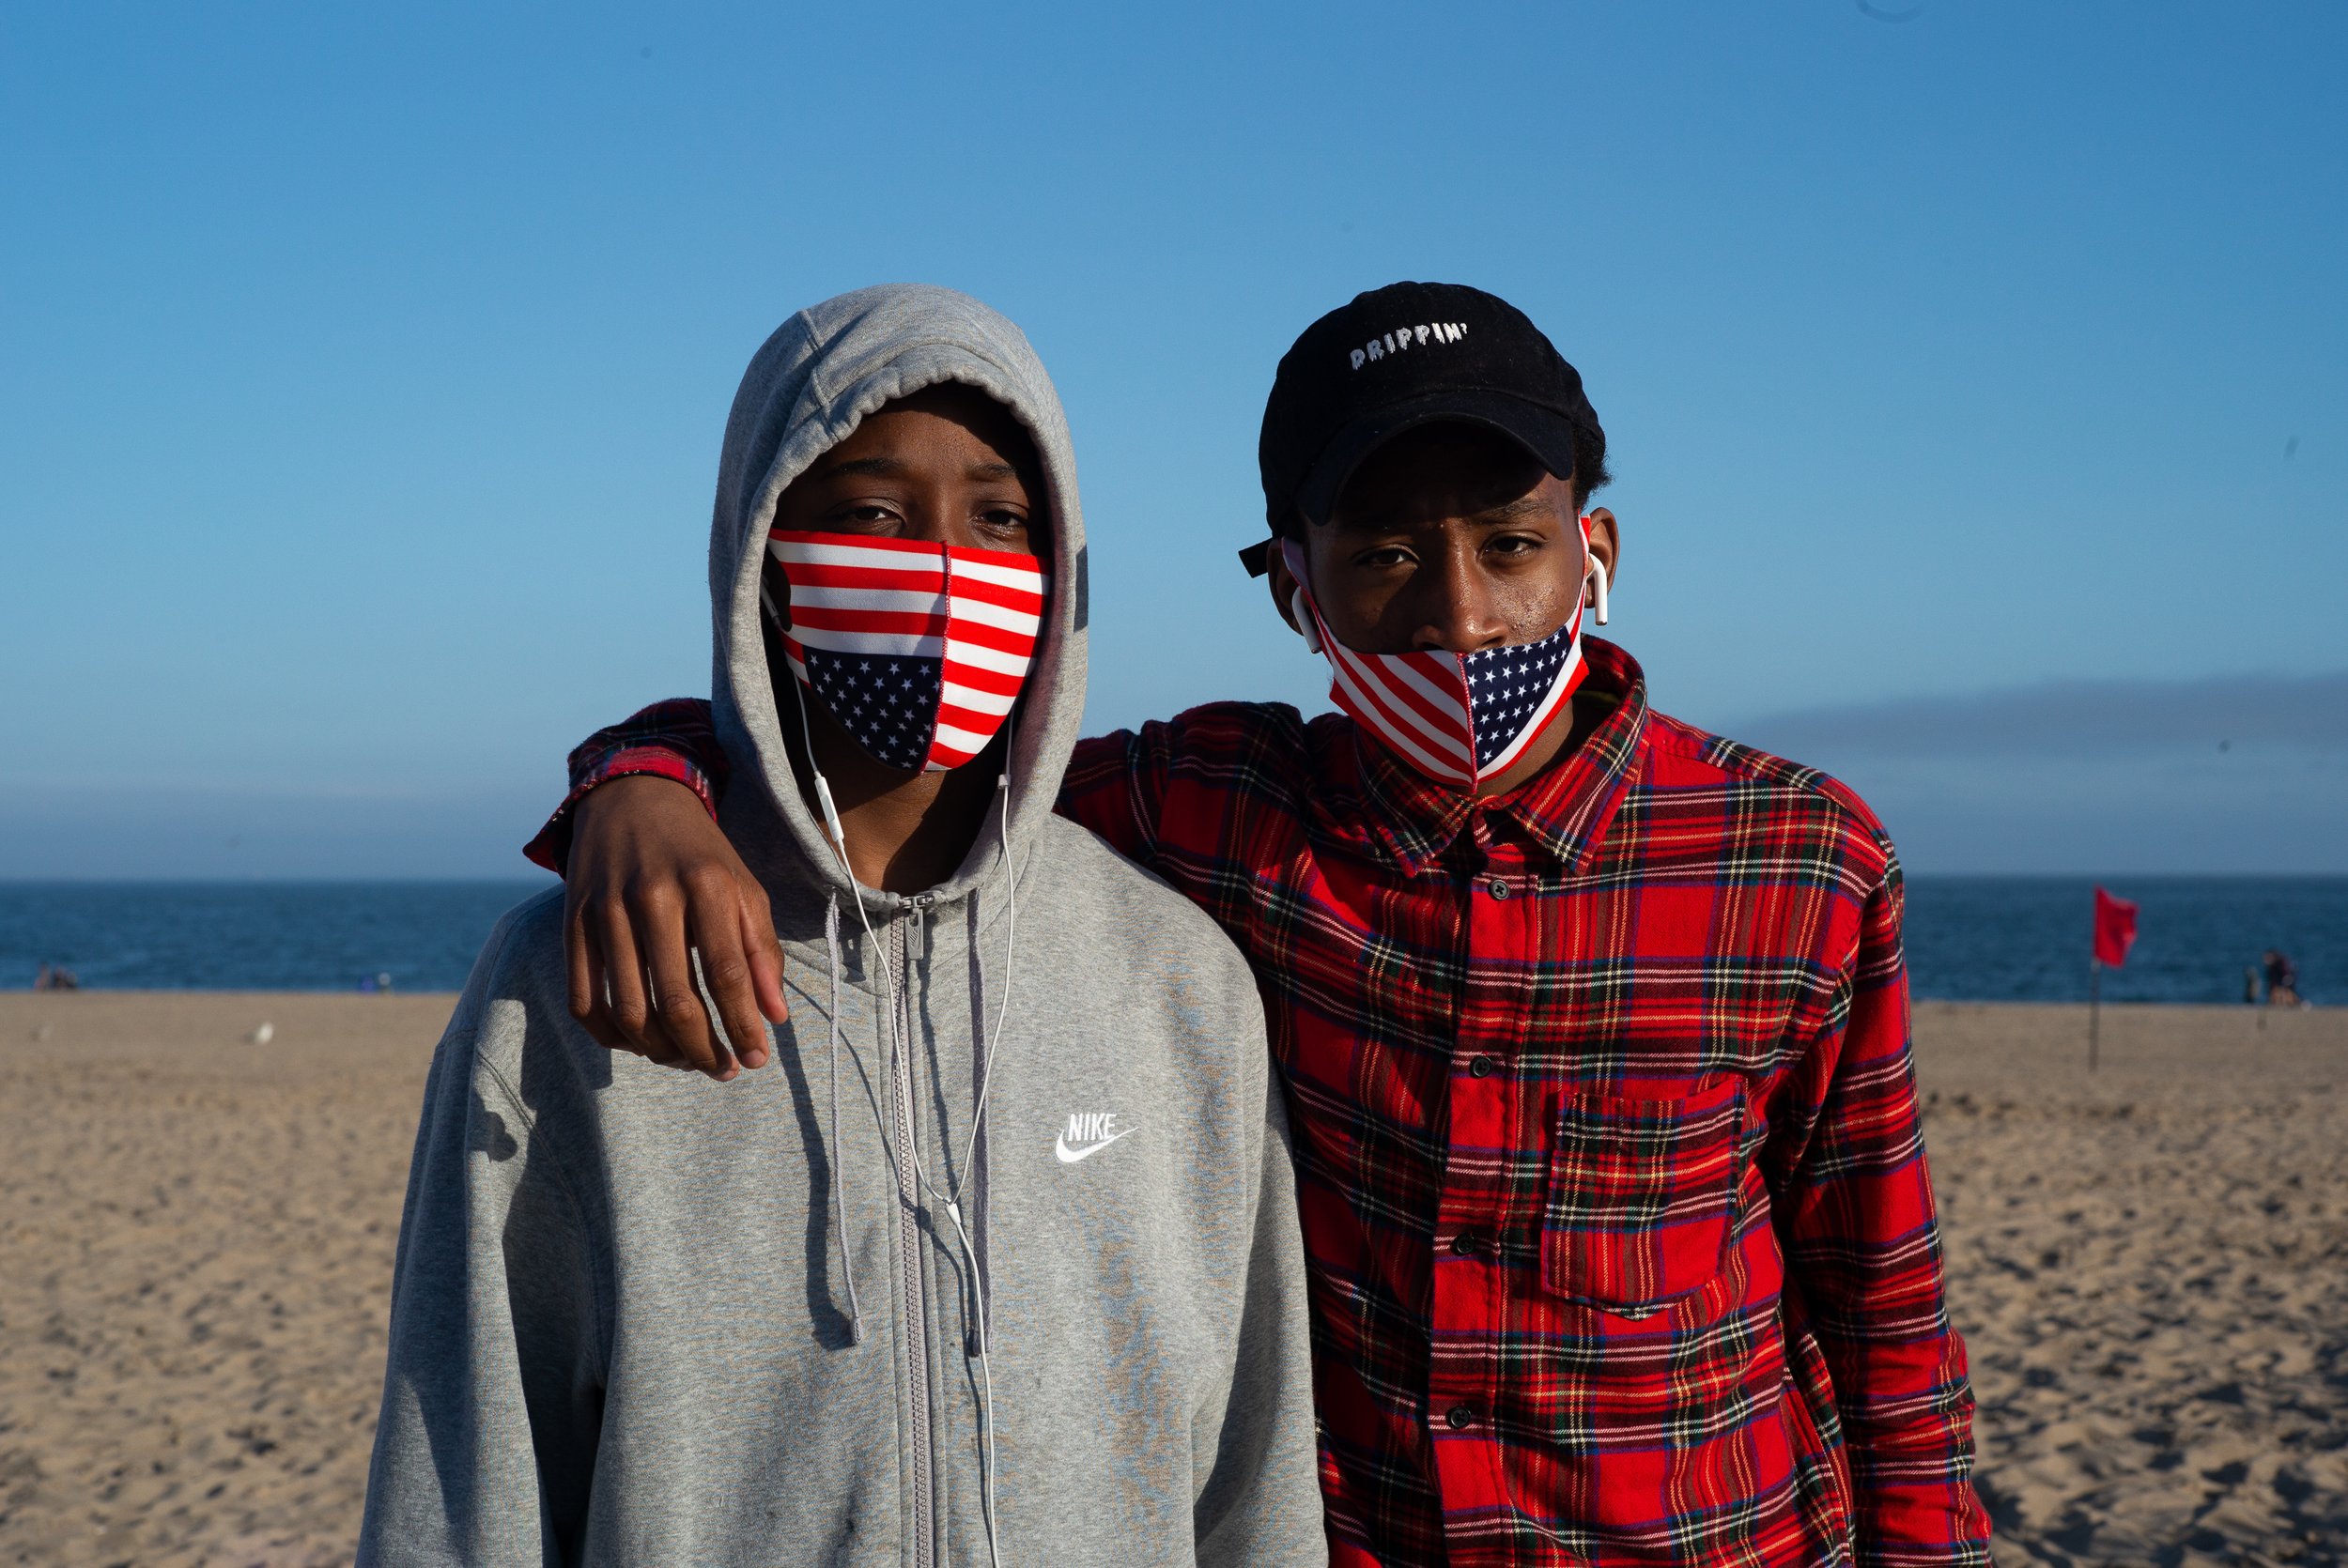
1564, 809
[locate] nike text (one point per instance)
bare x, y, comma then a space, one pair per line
1089, 1132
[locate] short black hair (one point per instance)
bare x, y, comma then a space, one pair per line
1590, 472
1590, 476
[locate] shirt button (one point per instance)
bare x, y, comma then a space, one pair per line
1468, 1243
1459, 1417
1497, 888
1479, 1067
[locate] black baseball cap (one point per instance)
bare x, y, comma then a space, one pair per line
1397, 358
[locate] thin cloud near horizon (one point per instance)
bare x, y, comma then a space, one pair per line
2075, 718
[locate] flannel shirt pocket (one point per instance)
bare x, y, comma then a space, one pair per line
1641, 1192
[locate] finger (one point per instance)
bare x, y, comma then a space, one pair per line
627, 1005
717, 927
766, 953
666, 1032
577, 964
584, 961
658, 1048
659, 918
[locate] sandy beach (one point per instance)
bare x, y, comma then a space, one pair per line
2148, 1269
195, 1253
196, 1234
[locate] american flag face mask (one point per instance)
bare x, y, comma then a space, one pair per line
918, 650
1459, 718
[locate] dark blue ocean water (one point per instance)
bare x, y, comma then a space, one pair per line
2026, 939
251, 936
1969, 938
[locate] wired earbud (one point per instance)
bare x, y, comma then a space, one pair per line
949, 1197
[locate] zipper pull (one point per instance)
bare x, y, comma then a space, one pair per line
916, 914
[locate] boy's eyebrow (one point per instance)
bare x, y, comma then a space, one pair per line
890, 468
878, 468
1509, 512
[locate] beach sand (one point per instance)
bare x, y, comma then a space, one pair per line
195, 1256
2150, 1267
196, 1235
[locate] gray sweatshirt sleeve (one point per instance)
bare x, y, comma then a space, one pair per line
485, 1446
1261, 1500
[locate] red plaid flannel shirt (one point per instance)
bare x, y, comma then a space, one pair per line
1622, 1244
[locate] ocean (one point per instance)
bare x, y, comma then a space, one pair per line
2001, 939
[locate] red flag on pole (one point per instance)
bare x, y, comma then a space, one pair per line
2115, 929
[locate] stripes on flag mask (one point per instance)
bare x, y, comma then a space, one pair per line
918, 650
1459, 718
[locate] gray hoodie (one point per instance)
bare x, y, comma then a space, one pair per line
641, 1318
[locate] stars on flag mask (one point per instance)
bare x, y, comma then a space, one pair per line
1459, 718
918, 650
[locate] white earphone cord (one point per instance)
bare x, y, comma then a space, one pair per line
951, 1197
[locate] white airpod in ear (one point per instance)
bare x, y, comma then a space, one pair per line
1303, 615
1598, 574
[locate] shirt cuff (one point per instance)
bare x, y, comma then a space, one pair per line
551, 848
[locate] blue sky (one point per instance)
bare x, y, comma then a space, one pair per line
361, 373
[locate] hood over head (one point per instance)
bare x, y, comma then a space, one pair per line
820, 374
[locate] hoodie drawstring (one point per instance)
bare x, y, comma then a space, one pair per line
974, 1160
839, 1153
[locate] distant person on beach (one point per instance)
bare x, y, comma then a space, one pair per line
1594, 1025
56, 976
1002, 1264
2282, 981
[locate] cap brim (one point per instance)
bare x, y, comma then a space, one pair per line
1544, 433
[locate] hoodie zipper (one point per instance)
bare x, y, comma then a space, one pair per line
910, 1246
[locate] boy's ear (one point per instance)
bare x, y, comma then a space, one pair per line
1606, 543
1283, 585
1286, 597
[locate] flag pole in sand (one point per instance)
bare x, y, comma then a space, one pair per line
2115, 933
2095, 1007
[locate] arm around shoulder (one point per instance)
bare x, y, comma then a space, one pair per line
673, 739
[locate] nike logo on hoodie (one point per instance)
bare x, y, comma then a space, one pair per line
1088, 1133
